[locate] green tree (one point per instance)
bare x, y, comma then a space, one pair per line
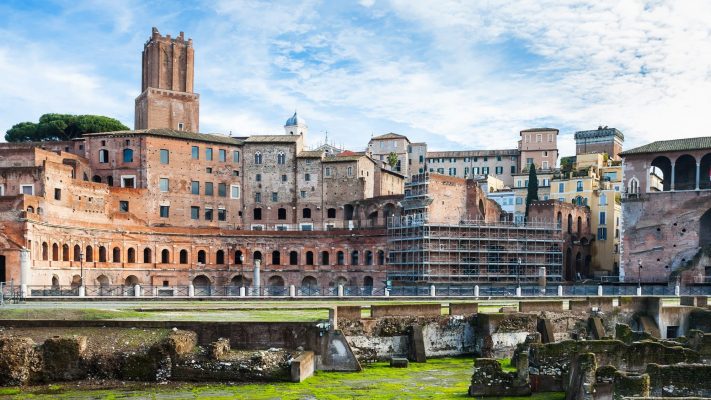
392, 159
532, 194
62, 127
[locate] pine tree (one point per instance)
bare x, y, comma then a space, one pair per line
532, 194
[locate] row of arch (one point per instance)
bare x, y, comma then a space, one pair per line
294, 257
685, 173
578, 225
308, 281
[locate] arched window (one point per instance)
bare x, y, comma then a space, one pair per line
331, 213
354, 257
77, 253
309, 258
103, 156
65, 252
276, 257
348, 212
202, 257
306, 213
368, 257
117, 255
324, 258
257, 158
293, 258
30, 210
633, 186
559, 220
165, 256
96, 179
131, 255
220, 257
281, 158
340, 259
239, 258
381, 257
257, 256
570, 223
281, 214
580, 226
89, 255
127, 155
102, 254
45, 251
147, 255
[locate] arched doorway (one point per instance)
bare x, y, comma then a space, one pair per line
309, 286
239, 281
131, 280
705, 172
660, 174
368, 285
3, 269
201, 284
275, 286
685, 173
76, 281
348, 212
55, 282
705, 230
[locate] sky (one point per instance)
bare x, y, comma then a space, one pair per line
455, 74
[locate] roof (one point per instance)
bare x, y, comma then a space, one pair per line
344, 158
472, 153
182, 135
662, 146
540, 130
599, 132
310, 154
390, 136
272, 138
295, 120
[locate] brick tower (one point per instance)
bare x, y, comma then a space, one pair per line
167, 99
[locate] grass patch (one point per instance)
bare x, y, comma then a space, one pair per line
506, 365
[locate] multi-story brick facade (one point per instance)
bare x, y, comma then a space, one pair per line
601, 140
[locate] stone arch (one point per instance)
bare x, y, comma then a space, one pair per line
165, 256
131, 280
340, 258
45, 251
276, 257
659, 178
355, 257
381, 257
325, 258
348, 212
131, 255
89, 254
30, 209
103, 280
705, 172
239, 281
570, 223
239, 257
373, 218
257, 256
96, 179
309, 258
341, 280
275, 281
202, 257
76, 281
368, 257
55, 281
309, 282
116, 255
685, 173
102, 254
220, 257
147, 255
65, 252
580, 226
293, 257
183, 256
368, 281
202, 281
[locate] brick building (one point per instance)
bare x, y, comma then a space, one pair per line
601, 140
666, 211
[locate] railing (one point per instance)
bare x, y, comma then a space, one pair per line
421, 290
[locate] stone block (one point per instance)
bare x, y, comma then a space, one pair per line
19, 361
399, 362
64, 358
463, 308
406, 310
349, 312
302, 367
488, 379
219, 348
538, 306
417, 345
597, 329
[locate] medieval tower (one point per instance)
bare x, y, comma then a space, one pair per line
167, 99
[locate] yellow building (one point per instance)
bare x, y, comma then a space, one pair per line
520, 191
596, 183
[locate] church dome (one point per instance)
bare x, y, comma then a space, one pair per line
295, 120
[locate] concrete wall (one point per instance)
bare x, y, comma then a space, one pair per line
406, 310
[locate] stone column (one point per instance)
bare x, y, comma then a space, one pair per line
256, 279
24, 271
433, 291
671, 187
191, 290
698, 175
137, 291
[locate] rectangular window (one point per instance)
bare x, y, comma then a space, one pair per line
303, 194
123, 206
222, 189
275, 197
164, 184
128, 182
561, 187
544, 165
58, 194
579, 187
602, 218
529, 161
539, 138
452, 172
234, 191
422, 159
258, 177
257, 197
2, 190
499, 170
475, 170
196, 153
466, 171
235, 173
221, 214
485, 170
498, 158
164, 156
195, 187
208, 214
283, 178
194, 212
601, 233
164, 211
519, 200
235, 156
546, 182
208, 189
208, 170
27, 189
328, 171
513, 169
307, 177
208, 154
222, 155
486, 158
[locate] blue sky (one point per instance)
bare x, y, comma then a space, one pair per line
456, 74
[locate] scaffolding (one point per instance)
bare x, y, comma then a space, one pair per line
472, 250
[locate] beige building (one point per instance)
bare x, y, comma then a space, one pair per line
539, 146
520, 191
596, 184
473, 164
